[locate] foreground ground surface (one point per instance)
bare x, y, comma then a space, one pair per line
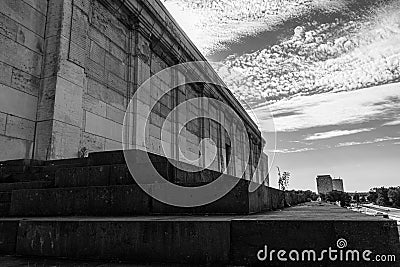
304, 214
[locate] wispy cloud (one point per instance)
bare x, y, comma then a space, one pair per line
377, 140
341, 55
336, 133
291, 150
329, 109
392, 123
212, 24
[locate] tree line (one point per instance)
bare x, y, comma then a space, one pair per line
389, 197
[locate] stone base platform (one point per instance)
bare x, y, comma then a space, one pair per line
219, 240
101, 185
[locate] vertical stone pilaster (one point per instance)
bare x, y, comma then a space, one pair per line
60, 114
141, 58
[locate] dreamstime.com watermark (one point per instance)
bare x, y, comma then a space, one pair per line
338, 254
137, 120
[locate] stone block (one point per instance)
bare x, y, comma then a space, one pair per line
142, 241
112, 145
72, 72
77, 54
46, 99
17, 103
97, 53
94, 105
98, 37
3, 119
154, 145
143, 71
52, 56
84, 201
83, 176
43, 139
8, 187
120, 175
92, 142
84, 5
12, 148
25, 82
80, 27
117, 83
18, 56
103, 127
8, 27
24, 14
30, 39
116, 66
107, 158
8, 236
20, 128
115, 114
5, 74
105, 94
95, 70
155, 131
108, 24
117, 52
68, 102
65, 141
39, 5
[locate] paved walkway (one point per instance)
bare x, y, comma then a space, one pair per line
314, 211
11, 261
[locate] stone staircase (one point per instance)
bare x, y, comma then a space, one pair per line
101, 185
91, 208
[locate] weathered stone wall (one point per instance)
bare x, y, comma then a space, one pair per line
22, 32
70, 68
106, 69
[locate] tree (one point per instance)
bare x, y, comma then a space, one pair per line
357, 198
394, 196
372, 196
310, 195
363, 199
383, 198
283, 180
343, 197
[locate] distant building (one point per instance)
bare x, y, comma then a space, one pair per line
337, 185
324, 184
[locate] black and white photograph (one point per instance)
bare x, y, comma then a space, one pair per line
199, 133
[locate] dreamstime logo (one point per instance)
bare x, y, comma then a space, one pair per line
137, 122
341, 243
330, 254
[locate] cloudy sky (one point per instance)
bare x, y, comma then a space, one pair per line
326, 71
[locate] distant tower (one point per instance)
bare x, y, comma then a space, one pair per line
324, 184
338, 185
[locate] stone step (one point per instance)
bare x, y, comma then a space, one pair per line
121, 200
102, 175
34, 170
8, 187
94, 201
106, 158
4, 209
67, 162
5, 197
17, 166
211, 240
118, 174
